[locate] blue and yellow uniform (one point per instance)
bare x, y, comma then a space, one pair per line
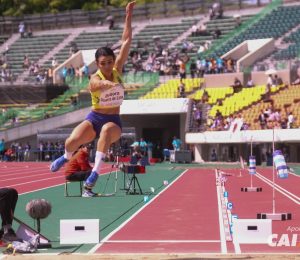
110, 98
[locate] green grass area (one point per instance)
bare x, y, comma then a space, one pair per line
295, 168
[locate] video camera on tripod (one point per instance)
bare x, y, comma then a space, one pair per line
133, 169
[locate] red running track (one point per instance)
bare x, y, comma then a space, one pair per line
292, 183
247, 204
182, 219
32, 176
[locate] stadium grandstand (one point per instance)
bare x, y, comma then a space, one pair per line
221, 77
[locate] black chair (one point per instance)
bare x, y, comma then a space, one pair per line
66, 188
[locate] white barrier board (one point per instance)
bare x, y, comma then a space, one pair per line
79, 231
251, 231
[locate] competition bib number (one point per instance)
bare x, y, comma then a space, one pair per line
112, 97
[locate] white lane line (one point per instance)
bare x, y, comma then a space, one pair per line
48, 187
39, 180
237, 248
221, 224
40, 168
104, 240
162, 241
279, 189
27, 176
24, 171
294, 174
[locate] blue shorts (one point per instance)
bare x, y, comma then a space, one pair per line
98, 120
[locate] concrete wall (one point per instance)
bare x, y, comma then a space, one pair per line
221, 80
253, 56
237, 52
258, 136
92, 67
232, 152
76, 60
43, 125
248, 52
260, 78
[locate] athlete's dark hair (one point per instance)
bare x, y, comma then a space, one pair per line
104, 51
82, 146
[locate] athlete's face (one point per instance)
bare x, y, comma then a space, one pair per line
106, 64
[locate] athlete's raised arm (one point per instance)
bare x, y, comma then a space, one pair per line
126, 39
96, 84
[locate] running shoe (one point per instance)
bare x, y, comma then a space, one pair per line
10, 236
58, 163
89, 193
91, 180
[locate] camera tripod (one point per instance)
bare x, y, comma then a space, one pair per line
133, 185
114, 169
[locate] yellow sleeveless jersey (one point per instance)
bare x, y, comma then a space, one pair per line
110, 98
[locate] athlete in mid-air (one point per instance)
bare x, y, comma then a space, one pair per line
107, 94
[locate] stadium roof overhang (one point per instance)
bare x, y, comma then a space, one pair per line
155, 106
257, 136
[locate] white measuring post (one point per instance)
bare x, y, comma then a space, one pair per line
274, 215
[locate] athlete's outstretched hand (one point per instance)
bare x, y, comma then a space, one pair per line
129, 7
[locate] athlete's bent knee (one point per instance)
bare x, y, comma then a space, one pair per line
73, 140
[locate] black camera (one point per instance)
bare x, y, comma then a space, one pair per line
133, 169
